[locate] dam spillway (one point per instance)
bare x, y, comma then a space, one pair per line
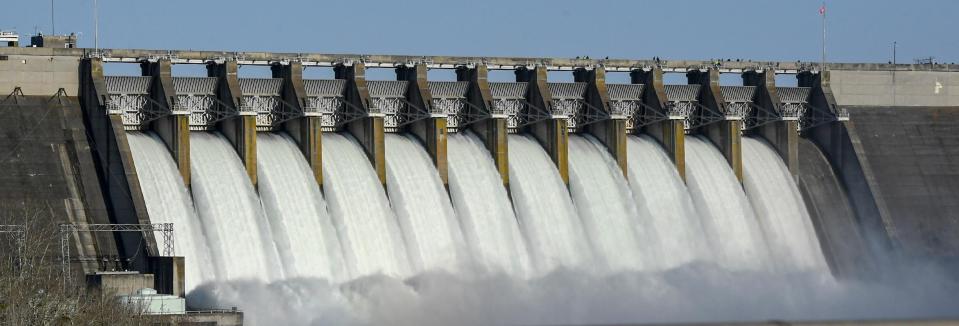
350, 201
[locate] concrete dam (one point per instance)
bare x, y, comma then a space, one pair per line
414, 201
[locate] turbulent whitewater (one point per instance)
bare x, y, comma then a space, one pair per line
432, 233
605, 204
168, 201
304, 234
673, 230
237, 232
727, 217
368, 232
483, 207
609, 250
779, 205
554, 232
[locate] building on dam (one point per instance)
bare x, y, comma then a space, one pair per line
197, 179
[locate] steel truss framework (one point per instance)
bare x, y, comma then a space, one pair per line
271, 111
814, 116
19, 234
69, 230
460, 112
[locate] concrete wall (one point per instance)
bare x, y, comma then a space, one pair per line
48, 171
38, 72
896, 88
914, 153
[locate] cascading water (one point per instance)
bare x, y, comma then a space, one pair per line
372, 242
674, 235
604, 201
168, 201
554, 232
237, 232
727, 217
370, 238
304, 234
432, 233
779, 205
483, 207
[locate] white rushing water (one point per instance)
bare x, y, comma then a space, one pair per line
604, 202
304, 234
727, 217
168, 201
779, 205
237, 231
554, 232
433, 236
483, 207
674, 233
369, 235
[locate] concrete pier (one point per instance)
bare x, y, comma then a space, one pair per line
726, 135
368, 130
782, 134
116, 172
611, 132
671, 133
492, 130
551, 133
307, 129
431, 130
841, 145
173, 129
239, 129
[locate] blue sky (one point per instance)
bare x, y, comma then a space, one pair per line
858, 30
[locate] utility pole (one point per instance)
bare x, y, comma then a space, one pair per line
96, 28
822, 12
894, 45
53, 20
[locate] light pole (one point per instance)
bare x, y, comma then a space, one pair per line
96, 27
894, 45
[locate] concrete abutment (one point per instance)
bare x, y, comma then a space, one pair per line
115, 168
